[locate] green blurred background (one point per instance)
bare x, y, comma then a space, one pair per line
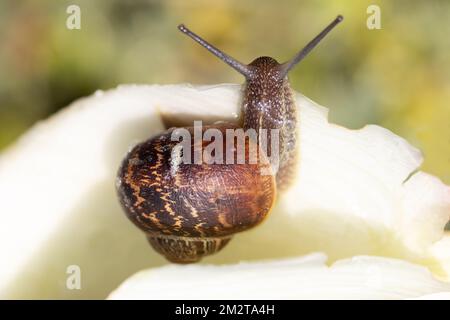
397, 77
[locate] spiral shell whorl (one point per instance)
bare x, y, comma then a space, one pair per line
185, 249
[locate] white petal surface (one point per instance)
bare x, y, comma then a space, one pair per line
59, 204
303, 278
439, 258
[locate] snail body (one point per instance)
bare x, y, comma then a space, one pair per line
190, 210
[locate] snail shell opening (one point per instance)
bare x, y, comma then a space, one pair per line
186, 250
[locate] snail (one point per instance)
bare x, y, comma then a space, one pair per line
189, 211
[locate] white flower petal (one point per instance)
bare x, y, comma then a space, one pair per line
304, 278
365, 175
439, 258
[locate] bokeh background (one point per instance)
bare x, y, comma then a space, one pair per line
397, 77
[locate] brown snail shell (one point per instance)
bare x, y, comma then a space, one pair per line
192, 210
